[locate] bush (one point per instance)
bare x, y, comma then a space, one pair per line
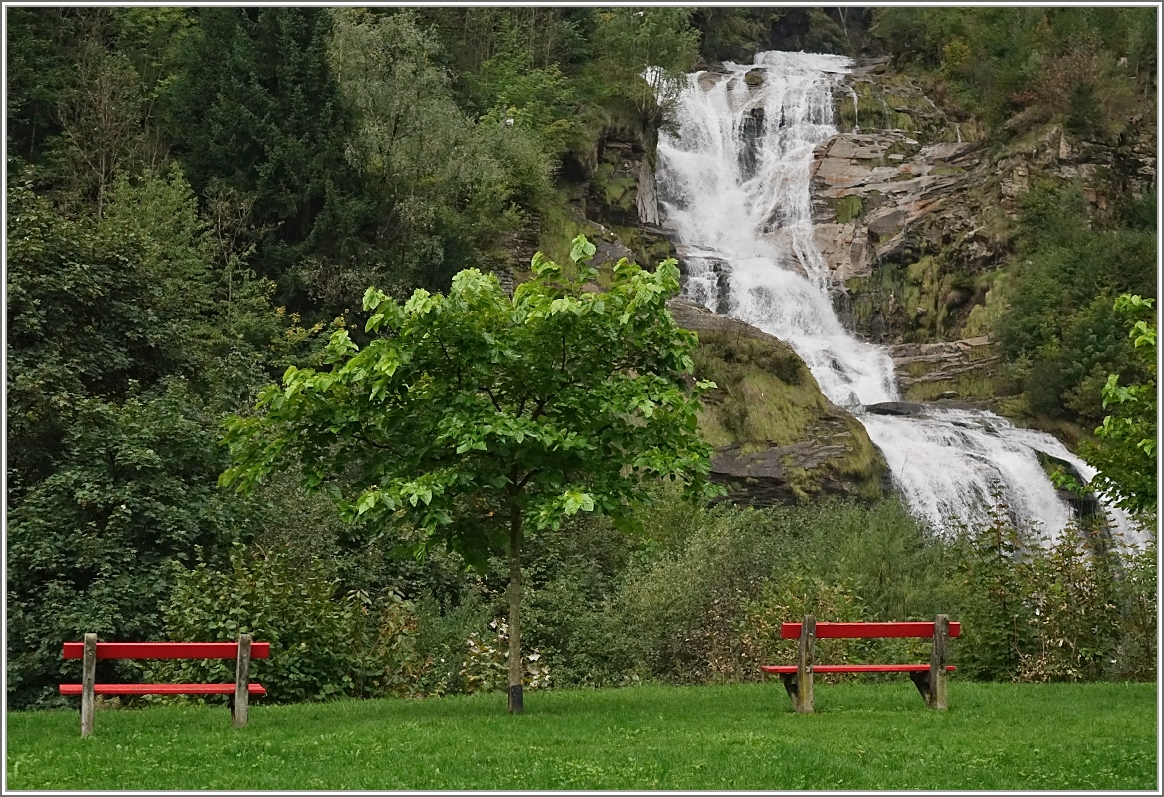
1134, 656
1075, 617
443, 634
703, 599
788, 599
679, 612
321, 646
700, 596
1076, 609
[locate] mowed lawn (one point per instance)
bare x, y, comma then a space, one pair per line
863, 736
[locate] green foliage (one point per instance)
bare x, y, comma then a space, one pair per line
443, 635
39, 48
78, 323
1069, 609
1087, 66
1058, 323
444, 186
681, 611
997, 618
730, 33
1076, 618
543, 100
788, 597
90, 545
322, 645
646, 52
122, 356
701, 596
1125, 452
161, 154
253, 110
474, 414
1135, 654
462, 400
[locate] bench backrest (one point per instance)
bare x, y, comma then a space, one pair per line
167, 650
867, 630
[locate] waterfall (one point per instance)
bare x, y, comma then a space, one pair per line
733, 179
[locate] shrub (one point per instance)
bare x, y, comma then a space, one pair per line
1074, 615
321, 646
995, 617
1134, 654
789, 597
680, 610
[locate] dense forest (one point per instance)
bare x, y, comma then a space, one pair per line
198, 197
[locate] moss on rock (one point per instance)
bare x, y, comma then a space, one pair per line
847, 208
778, 438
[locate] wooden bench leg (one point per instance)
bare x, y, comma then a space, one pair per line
922, 681
88, 679
937, 699
242, 676
803, 699
789, 679
932, 682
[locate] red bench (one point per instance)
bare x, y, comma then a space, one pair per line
930, 679
90, 650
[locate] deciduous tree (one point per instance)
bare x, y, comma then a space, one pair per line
473, 417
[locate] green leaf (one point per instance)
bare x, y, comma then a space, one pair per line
582, 249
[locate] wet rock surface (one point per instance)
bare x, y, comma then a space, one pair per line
899, 408
956, 369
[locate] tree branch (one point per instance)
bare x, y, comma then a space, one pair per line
489, 393
372, 442
441, 343
524, 479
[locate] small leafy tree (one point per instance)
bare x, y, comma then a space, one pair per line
1125, 452
473, 415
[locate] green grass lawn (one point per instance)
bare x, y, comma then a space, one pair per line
863, 736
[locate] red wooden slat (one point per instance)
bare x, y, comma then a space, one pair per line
835, 668
866, 630
167, 650
162, 689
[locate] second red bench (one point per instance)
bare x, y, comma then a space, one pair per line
930, 679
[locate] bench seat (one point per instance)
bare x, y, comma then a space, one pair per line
162, 689
825, 669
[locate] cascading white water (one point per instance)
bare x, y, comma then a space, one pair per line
733, 178
734, 181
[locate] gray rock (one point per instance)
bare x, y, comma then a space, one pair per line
904, 408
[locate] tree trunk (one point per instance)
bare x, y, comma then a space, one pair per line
515, 697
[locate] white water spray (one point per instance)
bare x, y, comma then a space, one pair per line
734, 180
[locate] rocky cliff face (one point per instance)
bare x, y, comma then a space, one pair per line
914, 213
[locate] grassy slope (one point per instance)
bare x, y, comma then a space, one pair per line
864, 736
